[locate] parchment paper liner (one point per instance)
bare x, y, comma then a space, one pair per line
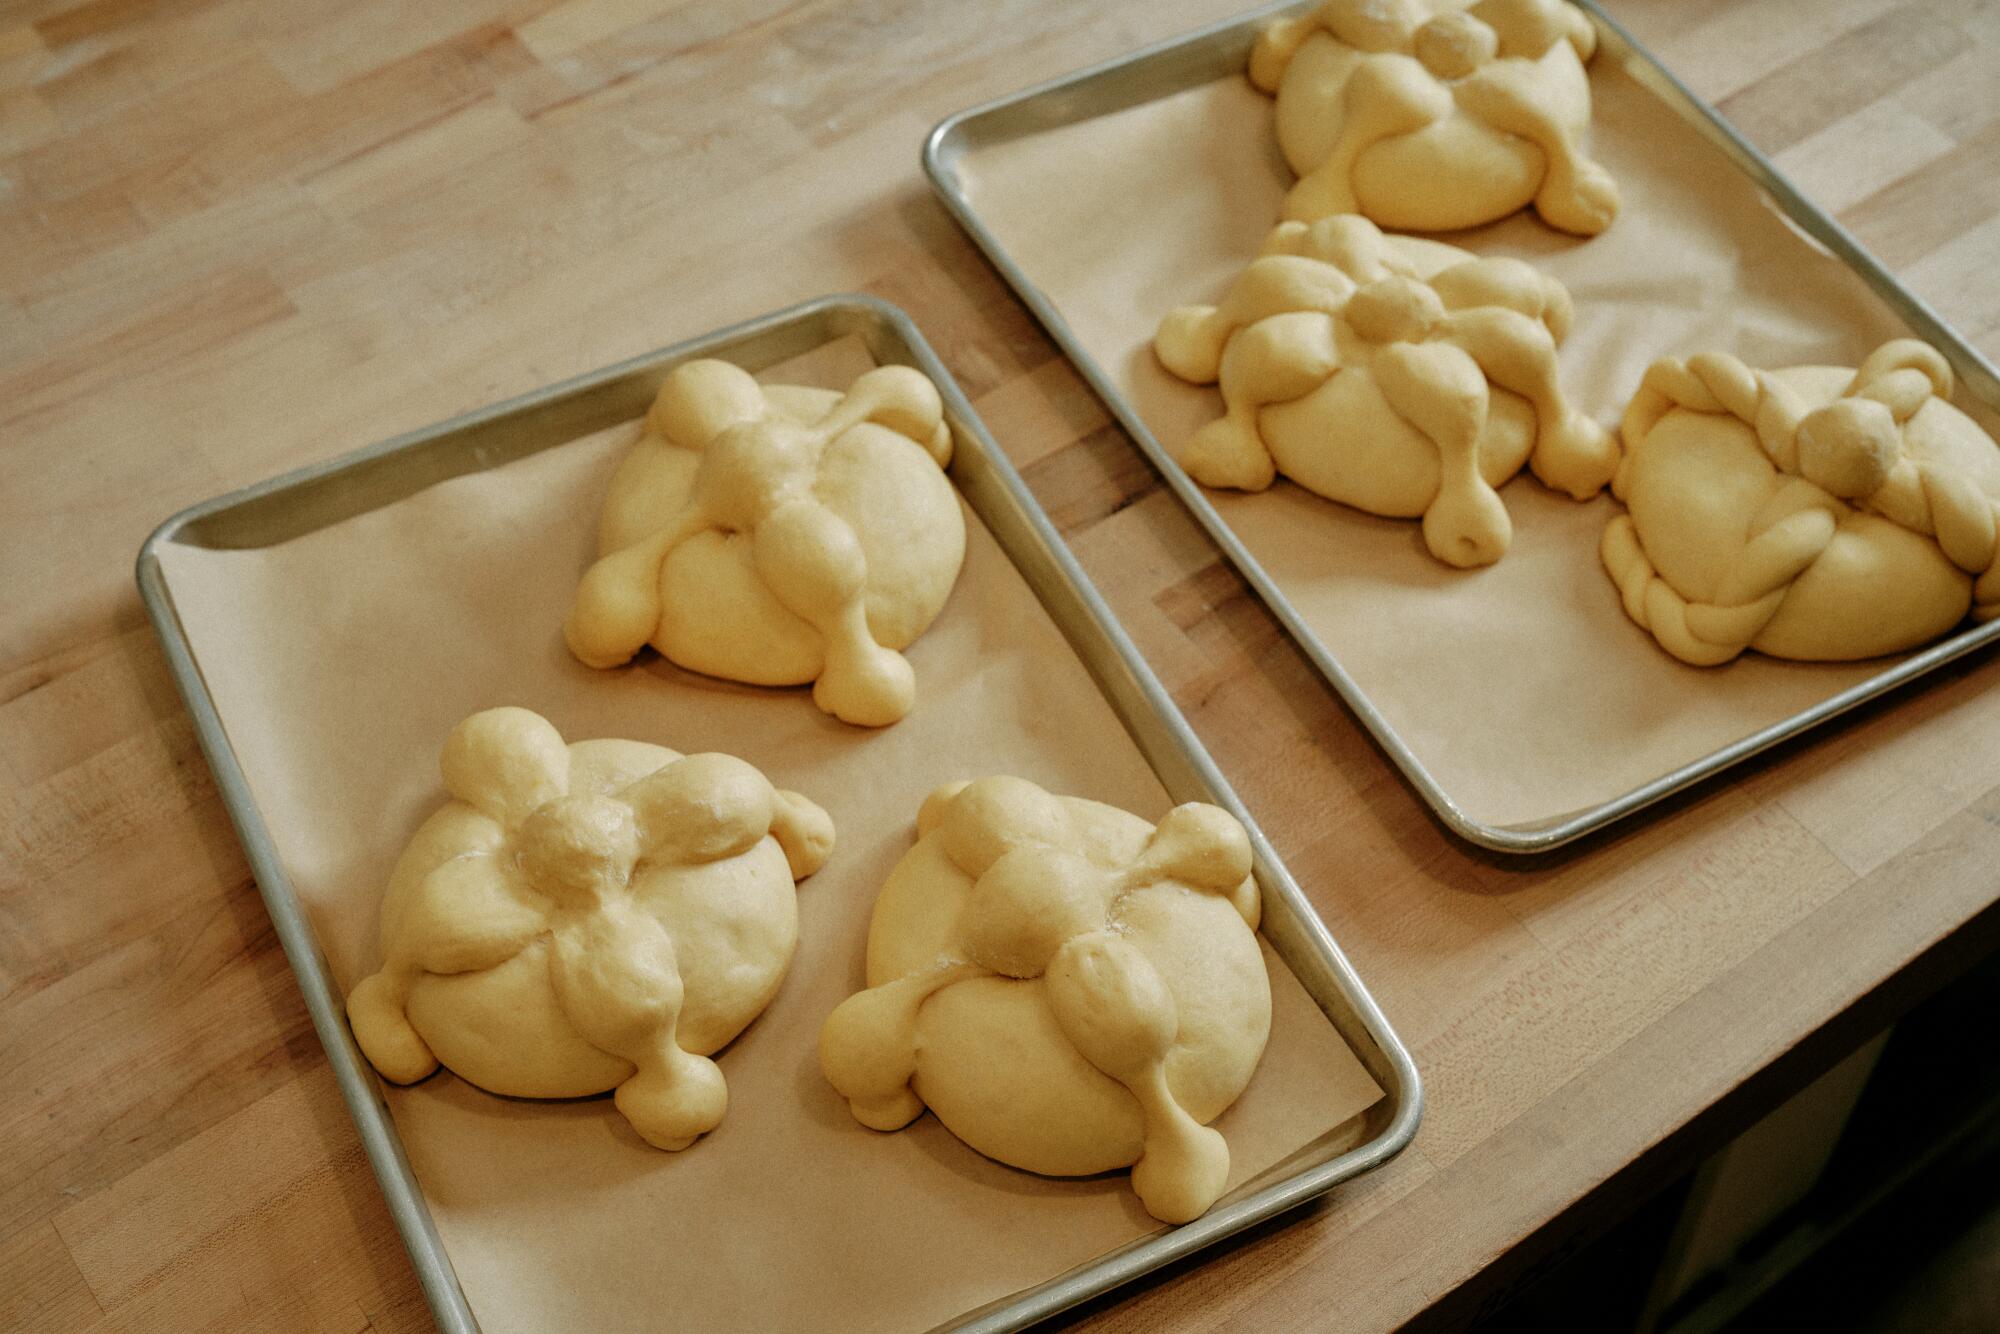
339, 661
1523, 688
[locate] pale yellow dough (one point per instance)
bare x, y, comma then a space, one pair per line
1398, 375
1432, 115
779, 535
590, 916
1816, 513
1070, 989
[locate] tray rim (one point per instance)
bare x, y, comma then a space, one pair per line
1126, 681
946, 143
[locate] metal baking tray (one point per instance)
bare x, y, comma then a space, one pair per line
313, 497
1221, 51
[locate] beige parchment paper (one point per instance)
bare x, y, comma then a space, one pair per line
339, 661
1522, 687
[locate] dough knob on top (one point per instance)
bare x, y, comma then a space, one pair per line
579, 851
1026, 904
1848, 447
1451, 46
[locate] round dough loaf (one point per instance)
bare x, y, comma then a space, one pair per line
1070, 989
1432, 115
1401, 376
598, 915
1815, 513
779, 536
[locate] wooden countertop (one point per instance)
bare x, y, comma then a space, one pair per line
236, 237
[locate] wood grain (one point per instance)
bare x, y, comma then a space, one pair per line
237, 237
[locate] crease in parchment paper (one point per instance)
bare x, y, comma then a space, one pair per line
1523, 688
340, 660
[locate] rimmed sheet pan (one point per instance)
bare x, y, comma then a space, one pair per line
327, 626
1518, 700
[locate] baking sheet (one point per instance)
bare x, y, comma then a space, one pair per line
1522, 689
338, 662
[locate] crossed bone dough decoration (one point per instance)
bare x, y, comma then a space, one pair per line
1816, 513
1432, 115
1395, 374
1070, 989
598, 915
779, 535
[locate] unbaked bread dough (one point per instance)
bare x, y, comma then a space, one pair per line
581, 917
1431, 115
1817, 513
779, 535
1070, 989
1398, 375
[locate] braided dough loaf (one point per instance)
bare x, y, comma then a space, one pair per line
603, 914
779, 535
1815, 513
1431, 115
1401, 376
1070, 989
